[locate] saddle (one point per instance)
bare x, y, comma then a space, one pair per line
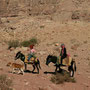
66, 61
32, 60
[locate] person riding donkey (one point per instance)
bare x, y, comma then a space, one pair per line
63, 54
32, 53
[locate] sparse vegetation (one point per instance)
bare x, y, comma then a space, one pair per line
60, 78
13, 43
42, 26
5, 83
26, 43
29, 42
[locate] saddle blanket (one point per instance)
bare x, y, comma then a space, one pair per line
31, 60
66, 61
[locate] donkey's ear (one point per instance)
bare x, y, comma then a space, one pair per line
50, 55
19, 51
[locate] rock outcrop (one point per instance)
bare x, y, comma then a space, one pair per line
59, 9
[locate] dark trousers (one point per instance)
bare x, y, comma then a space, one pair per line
29, 57
62, 57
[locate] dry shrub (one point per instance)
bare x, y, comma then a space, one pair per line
26, 43
60, 78
5, 83
81, 15
13, 43
75, 15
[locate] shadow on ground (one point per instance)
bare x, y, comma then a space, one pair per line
28, 71
61, 71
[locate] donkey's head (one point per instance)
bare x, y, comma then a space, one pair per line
48, 59
18, 54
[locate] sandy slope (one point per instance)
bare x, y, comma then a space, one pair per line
48, 32
50, 21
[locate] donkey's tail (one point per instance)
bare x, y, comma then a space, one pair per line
74, 66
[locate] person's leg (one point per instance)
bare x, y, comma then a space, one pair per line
29, 57
61, 59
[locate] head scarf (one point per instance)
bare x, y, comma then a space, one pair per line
62, 46
31, 46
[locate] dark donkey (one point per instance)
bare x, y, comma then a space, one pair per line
35, 64
54, 59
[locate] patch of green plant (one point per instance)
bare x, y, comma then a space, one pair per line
42, 26
26, 43
33, 41
60, 78
13, 43
5, 83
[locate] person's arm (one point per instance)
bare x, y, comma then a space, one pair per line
65, 52
34, 51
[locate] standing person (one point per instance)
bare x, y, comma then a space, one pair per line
32, 52
63, 52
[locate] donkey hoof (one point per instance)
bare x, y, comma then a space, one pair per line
32, 71
37, 72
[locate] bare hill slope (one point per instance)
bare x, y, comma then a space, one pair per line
51, 22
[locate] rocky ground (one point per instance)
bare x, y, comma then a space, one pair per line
74, 34
51, 22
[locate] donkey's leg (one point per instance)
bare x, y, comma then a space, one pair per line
60, 69
71, 71
25, 66
37, 68
56, 69
33, 68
